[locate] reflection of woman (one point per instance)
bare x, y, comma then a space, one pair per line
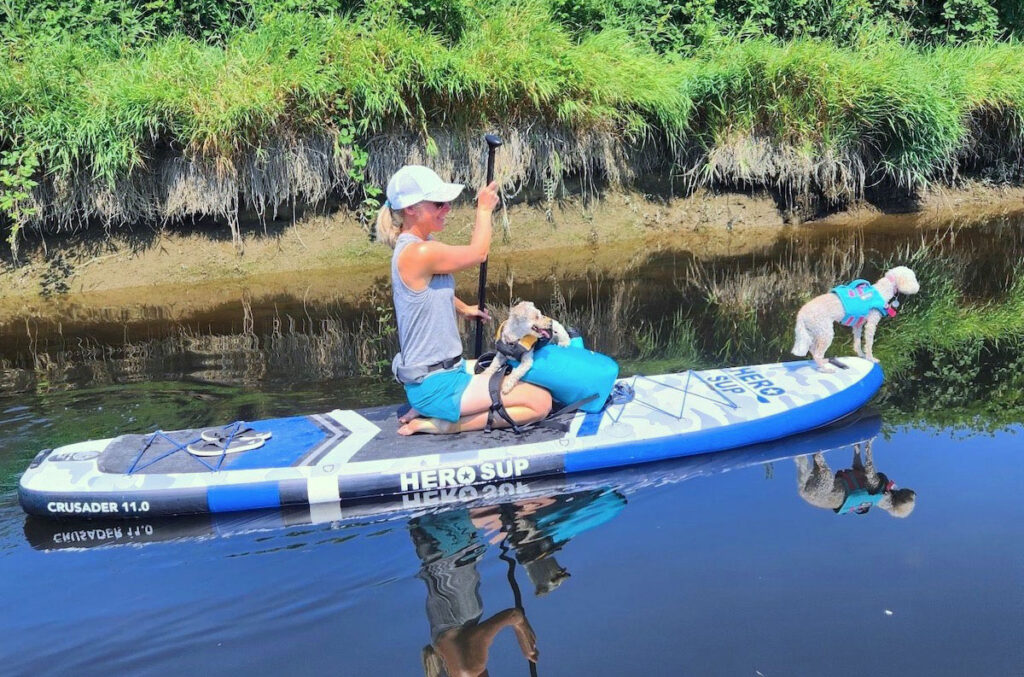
444, 397
464, 651
853, 490
449, 547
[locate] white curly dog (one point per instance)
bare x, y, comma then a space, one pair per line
517, 338
814, 330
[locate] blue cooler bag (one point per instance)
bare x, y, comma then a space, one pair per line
572, 373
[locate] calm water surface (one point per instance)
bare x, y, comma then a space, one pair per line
704, 566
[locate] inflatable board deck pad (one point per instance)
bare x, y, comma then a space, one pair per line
48, 534
353, 454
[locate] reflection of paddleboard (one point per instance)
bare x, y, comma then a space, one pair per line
48, 534
349, 454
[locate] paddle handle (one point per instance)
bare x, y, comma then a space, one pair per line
481, 294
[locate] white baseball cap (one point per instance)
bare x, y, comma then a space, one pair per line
416, 183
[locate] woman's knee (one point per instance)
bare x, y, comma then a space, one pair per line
529, 395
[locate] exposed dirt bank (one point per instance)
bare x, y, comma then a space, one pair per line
174, 273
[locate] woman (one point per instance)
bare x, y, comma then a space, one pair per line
444, 397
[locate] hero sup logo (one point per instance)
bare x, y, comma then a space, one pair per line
740, 380
464, 475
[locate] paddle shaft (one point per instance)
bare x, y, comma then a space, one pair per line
517, 594
492, 145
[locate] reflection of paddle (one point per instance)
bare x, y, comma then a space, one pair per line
517, 594
492, 145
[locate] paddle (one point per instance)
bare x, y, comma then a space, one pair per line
493, 141
517, 595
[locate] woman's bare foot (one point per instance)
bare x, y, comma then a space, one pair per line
434, 426
408, 416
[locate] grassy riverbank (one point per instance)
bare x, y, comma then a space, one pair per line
317, 105
681, 300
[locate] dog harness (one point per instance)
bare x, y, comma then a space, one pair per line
576, 378
514, 350
497, 406
859, 499
859, 298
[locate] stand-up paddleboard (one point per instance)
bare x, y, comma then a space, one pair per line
323, 459
48, 534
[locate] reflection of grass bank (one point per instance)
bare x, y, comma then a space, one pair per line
957, 362
974, 384
55, 418
330, 258
951, 355
945, 323
295, 350
173, 128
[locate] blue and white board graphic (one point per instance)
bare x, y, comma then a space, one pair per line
49, 534
324, 459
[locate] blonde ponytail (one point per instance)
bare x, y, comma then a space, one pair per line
389, 225
433, 665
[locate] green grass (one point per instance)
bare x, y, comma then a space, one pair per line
831, 117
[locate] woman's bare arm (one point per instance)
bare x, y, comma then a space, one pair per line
425, 259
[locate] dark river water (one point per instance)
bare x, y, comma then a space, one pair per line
713, 565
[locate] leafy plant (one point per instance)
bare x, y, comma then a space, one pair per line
17, 168
368, 197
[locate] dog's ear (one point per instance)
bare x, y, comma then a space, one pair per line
521, 309
517, 325
906, 280
912, 286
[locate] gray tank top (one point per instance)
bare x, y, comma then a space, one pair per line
427, 329
453, 591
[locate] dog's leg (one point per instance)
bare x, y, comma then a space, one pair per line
513, 379
870, 472
821, 332
857, 332
498, 361
869, 334
818, 348
804, 473
803, 470
857, 464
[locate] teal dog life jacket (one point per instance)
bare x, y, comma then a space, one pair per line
859, 298
859, 499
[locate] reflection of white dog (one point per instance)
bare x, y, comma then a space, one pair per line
858, 306
517, 338
854, 490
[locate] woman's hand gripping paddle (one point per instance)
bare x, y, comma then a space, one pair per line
492, 145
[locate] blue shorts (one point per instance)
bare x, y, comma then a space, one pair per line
439, 395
